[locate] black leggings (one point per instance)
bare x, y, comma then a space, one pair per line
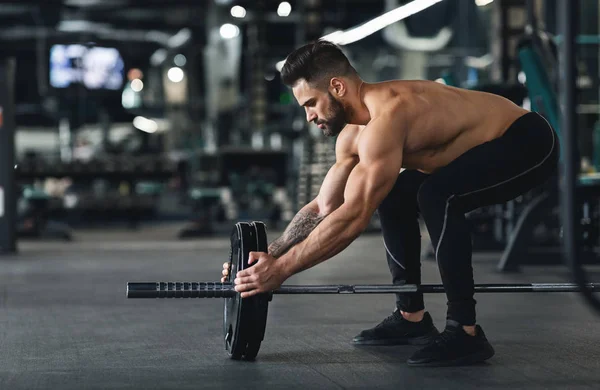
492, 173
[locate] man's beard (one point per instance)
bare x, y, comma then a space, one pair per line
337, 118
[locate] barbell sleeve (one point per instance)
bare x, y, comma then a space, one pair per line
226, 290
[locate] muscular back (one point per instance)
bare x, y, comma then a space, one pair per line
441, 122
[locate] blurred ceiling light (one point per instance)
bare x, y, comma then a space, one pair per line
159, 37
238, 11
82, 3
180, 60
284, 9
479, 62
372, 26
481, 3
229, 31
158, 57
222, 2
380, 22
80, 26
175, 74
181, 38
137, 85
91, 3
134, 73
145, 124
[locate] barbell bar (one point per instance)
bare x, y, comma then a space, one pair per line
245, 320
227, 290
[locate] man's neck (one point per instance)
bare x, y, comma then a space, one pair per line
361, 115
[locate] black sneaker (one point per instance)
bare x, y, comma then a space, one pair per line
454, 347
395, 330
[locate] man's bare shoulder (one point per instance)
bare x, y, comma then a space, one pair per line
346, 140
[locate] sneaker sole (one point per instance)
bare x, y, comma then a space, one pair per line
421, 340
479, 357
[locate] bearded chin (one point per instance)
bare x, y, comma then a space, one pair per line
331, 132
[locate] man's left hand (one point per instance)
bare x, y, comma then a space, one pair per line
266, 275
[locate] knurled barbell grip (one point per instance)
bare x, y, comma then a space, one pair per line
180, 290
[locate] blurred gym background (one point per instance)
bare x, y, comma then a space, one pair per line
130, 113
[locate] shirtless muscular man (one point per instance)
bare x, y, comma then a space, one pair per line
406, 148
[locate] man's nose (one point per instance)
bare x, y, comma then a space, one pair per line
310, 116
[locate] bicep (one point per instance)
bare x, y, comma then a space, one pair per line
368, 185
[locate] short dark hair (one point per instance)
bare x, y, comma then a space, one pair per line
316, 62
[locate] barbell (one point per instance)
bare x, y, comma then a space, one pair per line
245, 320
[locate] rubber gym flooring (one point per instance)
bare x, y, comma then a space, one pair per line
65, 324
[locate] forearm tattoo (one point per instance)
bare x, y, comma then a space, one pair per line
299, 228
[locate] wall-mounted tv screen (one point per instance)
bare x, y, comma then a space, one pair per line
95, 68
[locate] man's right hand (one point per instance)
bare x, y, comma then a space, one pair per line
227, 267
225, 273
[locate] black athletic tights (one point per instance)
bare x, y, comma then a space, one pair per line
491, 173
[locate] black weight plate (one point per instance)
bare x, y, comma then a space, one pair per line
233, 305
233, 318
258, 303
244, 320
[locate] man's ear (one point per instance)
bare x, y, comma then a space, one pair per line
338, 87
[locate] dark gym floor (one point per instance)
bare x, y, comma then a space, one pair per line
65, 324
